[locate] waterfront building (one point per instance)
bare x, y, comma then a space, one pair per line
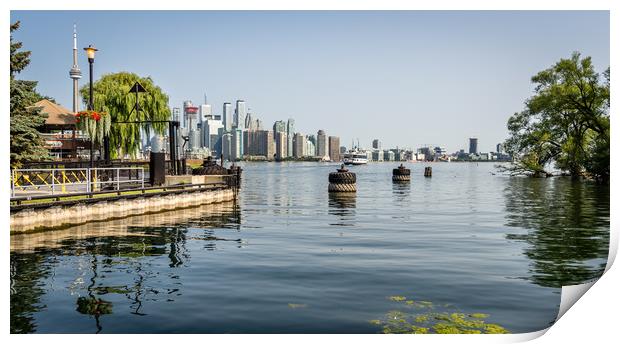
281, 140
439, 153
298, 145
388, 155
258, 142
240, 113
227, 117
343, 149
75, 74
334, 148
377, 155
427, 153
321, 145
376, 144
499, 148
473, 145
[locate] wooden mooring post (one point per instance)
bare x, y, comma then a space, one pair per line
428, 171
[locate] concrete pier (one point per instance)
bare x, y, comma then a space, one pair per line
58, 216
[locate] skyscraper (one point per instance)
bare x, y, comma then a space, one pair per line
281, 140
321, 144
190, 114
227, 117
226, 146
75, 74
376, 144
279, 133
299, 143
258, 143
240, 113
279, 126
290, 132
334, 148
176, 114
473, 145
204, 114
210, 133
237, 144
249, 122
499, 148
310, 148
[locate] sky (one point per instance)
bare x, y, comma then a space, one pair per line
407, 78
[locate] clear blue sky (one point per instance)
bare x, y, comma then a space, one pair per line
406, 78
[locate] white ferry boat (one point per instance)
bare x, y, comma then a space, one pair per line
355, 157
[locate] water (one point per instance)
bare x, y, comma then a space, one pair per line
290, 258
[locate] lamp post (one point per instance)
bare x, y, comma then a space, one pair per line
90, 53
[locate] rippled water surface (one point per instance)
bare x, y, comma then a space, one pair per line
289, 257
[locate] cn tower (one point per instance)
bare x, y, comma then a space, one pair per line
75, 72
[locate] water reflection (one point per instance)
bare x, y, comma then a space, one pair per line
26, 290
565, 224
112, 261
401, 190
342, 205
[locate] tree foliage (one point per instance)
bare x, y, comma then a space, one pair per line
111, 94
565, 123
26, 143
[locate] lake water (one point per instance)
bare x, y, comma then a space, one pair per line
290, 258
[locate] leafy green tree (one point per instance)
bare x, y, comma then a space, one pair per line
111, 94
26, 143
566, 122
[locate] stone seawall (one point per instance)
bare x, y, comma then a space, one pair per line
61, 216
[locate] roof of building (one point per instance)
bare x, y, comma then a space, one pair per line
56, 114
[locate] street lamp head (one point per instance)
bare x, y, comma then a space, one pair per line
90, 52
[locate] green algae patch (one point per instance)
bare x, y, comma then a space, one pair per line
421, 317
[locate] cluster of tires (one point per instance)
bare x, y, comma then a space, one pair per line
401, 174
342, 181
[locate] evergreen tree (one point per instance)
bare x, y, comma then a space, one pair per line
26, 143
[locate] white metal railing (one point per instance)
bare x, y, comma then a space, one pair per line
72, 180
112, 176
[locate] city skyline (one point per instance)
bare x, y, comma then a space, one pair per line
342, 77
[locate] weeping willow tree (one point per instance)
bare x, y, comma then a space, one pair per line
111, 95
